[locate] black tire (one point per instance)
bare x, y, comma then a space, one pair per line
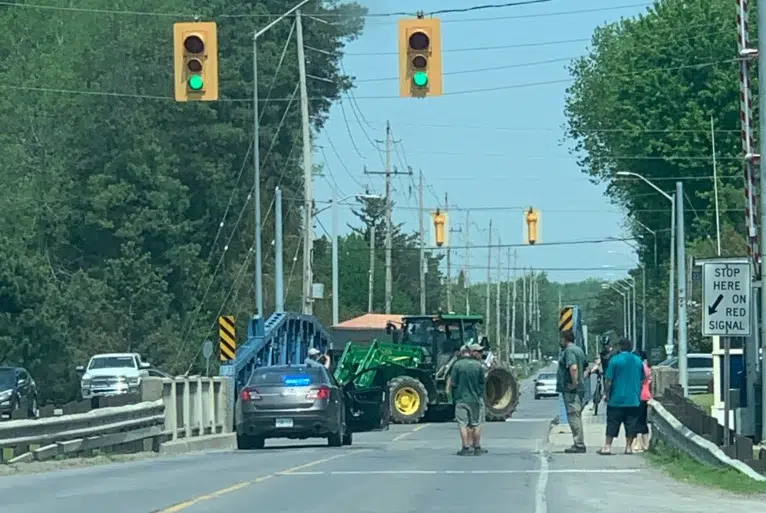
335, 439
409, 386
348, 438
537, 397
249, 442
501, 393
34, 410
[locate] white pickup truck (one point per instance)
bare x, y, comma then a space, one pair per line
112, 374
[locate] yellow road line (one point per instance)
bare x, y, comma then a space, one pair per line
202, 498
408, 433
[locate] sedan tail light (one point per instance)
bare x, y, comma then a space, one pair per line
319, 393
250, 394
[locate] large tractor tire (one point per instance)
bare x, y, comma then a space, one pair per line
502, 393
409, 400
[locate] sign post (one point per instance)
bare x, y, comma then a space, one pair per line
207, 352
726, 312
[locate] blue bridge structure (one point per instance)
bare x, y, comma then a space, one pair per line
282, 338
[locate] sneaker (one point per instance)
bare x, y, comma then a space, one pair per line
465, 451
575, 450
477, 451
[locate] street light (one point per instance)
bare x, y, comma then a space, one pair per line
606, 286
643, 301
654, 234
335, 222
677, 233
630, 288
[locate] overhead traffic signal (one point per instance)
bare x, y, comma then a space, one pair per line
532, 217
420, 58
195, 60
440, 227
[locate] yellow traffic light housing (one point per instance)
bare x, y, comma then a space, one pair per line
532, 218
420, 58
440, 227
195, 59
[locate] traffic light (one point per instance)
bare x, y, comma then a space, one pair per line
195, 58
440, 227
532, 218
420, 58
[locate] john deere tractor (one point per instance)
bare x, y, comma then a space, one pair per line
416, 367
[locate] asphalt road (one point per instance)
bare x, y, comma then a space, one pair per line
405, 469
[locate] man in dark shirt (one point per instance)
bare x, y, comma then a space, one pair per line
467, 386
570, 383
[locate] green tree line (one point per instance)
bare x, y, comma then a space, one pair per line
642, 101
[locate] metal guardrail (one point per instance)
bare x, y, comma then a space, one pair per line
668, 429
170, 409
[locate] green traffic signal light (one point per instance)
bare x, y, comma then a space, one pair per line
420, 79
195, 83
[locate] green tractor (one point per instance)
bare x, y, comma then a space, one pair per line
416, 367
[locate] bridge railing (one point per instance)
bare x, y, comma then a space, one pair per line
172, 415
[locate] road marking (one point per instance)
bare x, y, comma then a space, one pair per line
541, 491
528, 420
202, 498
459, 472
408, 433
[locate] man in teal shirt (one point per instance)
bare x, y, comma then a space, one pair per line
622, 393
570, 384
467, 387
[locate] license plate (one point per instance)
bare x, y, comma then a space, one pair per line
284, 423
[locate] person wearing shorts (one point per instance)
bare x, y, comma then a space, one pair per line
467, 385
624, 377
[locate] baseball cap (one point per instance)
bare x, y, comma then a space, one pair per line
476, 347
313, 351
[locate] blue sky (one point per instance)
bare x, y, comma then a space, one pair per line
500, 148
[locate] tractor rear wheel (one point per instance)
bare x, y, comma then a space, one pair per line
409, 399
502, 393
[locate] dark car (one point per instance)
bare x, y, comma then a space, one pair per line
18, 392
300, 402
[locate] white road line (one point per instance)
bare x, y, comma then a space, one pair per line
548, 420
541, 491
543, 470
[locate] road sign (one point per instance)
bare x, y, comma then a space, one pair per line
207, 349
727, 294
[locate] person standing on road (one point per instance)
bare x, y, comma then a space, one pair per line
642, 438
467, 387
570, 384
313, 359
624, 378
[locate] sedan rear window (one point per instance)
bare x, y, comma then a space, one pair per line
546, 376
296, 377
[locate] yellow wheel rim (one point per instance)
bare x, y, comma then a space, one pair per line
407, 401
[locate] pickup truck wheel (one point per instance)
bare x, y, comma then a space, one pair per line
335, 439
348, 438
34, 410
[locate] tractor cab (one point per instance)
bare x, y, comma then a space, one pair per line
441, 336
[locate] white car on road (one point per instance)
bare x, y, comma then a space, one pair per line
112, 374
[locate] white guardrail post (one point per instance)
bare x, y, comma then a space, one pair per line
192, 413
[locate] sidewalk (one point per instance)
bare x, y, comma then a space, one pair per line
594, 430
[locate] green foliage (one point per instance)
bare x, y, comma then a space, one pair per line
112, 202
642, 102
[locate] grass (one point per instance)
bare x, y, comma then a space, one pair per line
704, 400
684, 468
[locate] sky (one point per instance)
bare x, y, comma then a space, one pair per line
497, 152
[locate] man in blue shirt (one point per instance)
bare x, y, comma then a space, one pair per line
622, 393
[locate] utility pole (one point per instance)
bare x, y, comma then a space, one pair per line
421, 213
449, 260
762, 174
497, 298
466, 281
524, 309
308, 200
506, 344
489, 275
389, 172
559, 300
681, 284
513, 309
371, 280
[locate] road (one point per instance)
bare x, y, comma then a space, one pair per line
405, 469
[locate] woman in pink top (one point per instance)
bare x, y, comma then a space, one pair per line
642, 440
